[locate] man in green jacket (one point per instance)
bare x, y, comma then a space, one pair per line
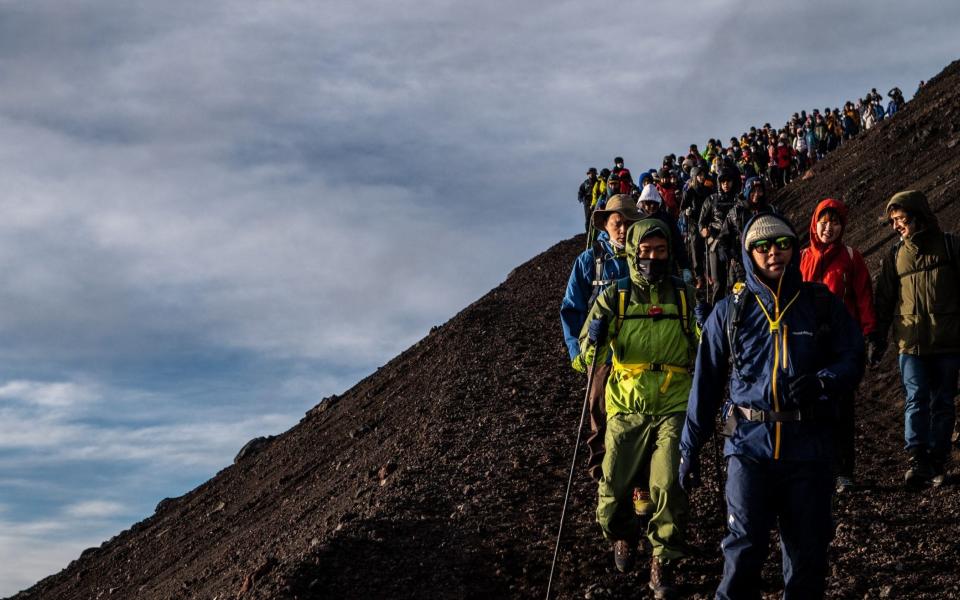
647, 321
918, 293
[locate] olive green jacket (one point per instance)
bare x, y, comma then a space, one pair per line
918, 289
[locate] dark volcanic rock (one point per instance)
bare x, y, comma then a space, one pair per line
471, 431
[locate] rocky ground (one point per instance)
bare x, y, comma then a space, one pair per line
442, 474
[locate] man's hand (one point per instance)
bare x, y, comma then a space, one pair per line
689, 472
597, 331
876, 346
803, 390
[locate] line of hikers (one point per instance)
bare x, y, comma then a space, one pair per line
775, 349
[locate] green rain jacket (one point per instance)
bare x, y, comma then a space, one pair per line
653, 355
918, 290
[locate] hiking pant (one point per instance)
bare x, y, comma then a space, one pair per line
844, 433
716, 269
634, 441
795, 497
930, 383
587, 214
597, 409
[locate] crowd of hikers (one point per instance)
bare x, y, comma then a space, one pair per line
695, 313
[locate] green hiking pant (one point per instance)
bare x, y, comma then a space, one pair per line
634, 441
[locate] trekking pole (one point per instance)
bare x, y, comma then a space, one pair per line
573, 464
717, 462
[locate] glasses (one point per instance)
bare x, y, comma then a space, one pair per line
763, 246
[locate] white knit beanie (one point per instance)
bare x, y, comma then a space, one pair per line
650, 194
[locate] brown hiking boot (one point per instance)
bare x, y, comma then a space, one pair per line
662, 579
623, 555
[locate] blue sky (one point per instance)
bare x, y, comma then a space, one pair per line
216, 214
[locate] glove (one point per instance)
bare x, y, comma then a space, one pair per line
578, 364
687, 275
597, 332
689, 472
700, 312
876, 346
803, 391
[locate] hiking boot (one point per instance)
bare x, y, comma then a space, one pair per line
938, 467
844, 484
662, 579
920, 472
623, 555
642, 505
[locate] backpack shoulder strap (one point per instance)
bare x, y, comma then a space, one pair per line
623, 300
683, 304
734, 315
821, 313
850, 253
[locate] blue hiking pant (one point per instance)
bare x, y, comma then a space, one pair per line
795, 497
930, 384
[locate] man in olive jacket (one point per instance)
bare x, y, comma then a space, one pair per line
918, 293
648, 322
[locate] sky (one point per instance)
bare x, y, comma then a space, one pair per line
215, 214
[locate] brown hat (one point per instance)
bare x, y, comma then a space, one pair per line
620, 203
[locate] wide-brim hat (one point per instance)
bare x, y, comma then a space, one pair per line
620, 203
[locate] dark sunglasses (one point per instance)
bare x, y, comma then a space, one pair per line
763, 246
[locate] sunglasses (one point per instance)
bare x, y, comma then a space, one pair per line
763, 246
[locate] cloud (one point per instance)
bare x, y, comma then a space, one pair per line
94, 509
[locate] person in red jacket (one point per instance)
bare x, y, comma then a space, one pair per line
841, 268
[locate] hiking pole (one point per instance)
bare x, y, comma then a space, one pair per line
719, 474
573, 464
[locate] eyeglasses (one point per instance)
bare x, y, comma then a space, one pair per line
899, 220
763, 246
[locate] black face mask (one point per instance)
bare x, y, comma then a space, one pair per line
652, 269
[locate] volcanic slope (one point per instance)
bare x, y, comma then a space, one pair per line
442, 474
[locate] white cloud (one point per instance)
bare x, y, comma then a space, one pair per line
94, 509
58, 394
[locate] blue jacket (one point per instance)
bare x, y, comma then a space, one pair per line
765, 360
576, 300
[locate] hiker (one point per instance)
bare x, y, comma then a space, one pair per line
790, 348
690, 206
918, 293
829, 261
585, 196
652, 207
710, 222
667, 186
596, 268
755, 201
623, 176
647, 323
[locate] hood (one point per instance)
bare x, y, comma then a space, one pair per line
915, 202
636, 233
650, 194
733, 174
841, 209
791, 280
748, 187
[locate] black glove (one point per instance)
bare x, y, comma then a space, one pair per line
876, 346
700, 312
597, 332
803, 391
689, 472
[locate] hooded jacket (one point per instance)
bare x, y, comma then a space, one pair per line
732, 229
576, 300
652, 354
765, 357
841, 268
918, 290
715, 208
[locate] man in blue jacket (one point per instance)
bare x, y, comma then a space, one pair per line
792, 351
596, 268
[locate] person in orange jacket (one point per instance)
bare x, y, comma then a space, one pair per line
841, 268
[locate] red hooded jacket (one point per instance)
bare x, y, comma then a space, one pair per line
840, 268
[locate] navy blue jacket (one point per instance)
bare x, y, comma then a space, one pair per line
766, 359
576, 300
